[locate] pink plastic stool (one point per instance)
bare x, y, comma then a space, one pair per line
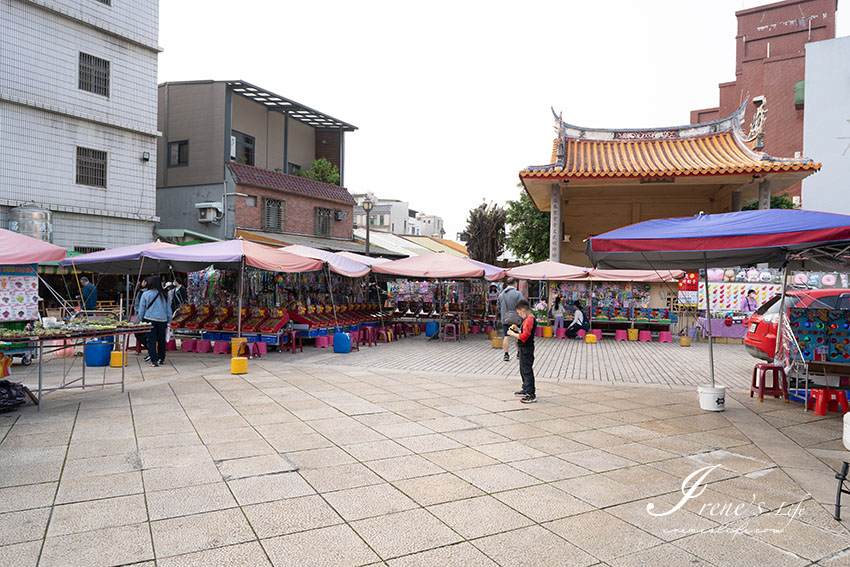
188, 345
581, 333
645, 337
452, 336
383, 334
665, 337
322, 341
538, 332
221, 347
598, 333
474, 329
561, 333
621, 335
487, 329
259, 348
203, 346
171, 345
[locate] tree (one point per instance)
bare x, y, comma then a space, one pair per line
321, 170
485, 227
529, 230
776, 202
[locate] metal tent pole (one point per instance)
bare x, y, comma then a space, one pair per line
781, 330
241, 286
708, 320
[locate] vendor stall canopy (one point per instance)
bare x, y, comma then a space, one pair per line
336, 262
556, 271
439, 265
17, 249
123, 260
720, 240
368, 260
229, 254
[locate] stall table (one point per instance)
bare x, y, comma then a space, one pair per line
737, 330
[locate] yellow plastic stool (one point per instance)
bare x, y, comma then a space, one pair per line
497, 342
237, 345
684, 341
116, 359
633, 334
547, 332
238, 365
491, 334
590, 339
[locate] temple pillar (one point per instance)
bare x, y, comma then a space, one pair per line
555, 223
736, 201
764, 194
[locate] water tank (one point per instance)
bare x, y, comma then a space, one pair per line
32, 221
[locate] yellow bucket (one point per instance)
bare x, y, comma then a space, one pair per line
684, 341
238, 365
633, 334
116, 359
492, 334
496, 341
547, 332
590, 339
237, 345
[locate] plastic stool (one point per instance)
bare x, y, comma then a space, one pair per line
581, 333
621, 335
203, 346
474, 329
367, 336
238, 365
561, 333
450, 332
221, 347
598, 333
538, 332
633, 334
665, 337
759, 382
825, 400
171, 345
488, 328
383, 334
295, 341
645, 337
590, 338
322, 341
188, 345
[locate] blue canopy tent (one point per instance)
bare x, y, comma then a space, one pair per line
726, 239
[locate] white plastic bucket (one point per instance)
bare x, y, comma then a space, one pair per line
712, 398
846, 437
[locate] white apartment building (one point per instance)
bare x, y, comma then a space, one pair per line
78, 117
396, 217
431, 225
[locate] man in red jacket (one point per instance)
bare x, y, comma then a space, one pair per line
525, 346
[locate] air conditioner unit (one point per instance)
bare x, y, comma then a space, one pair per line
209, 211
340, 215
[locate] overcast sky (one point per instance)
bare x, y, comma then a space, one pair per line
452, 98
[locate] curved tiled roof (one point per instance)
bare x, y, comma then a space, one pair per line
258, 177
711, 154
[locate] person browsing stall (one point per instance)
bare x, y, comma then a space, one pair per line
579, 321
749, 303
154, 308
89, 295
507, 307
558, 312
525, 346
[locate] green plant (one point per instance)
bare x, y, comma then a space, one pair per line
776, 202
485, 227
320, 170
528, 234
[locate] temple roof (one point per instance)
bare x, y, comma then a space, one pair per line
711, 148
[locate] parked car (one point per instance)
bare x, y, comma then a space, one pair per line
761, 335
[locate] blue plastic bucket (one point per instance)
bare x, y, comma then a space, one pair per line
432, 328
342, 342
98, 352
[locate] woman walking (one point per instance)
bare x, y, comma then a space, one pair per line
154, 308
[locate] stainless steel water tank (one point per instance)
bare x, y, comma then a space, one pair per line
32, 221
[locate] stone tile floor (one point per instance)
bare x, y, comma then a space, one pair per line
322, 459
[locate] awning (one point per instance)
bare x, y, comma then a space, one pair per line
548, 270
369, 261
337, 263
122, 260
19, 249
329, 244
228, 255
439, 265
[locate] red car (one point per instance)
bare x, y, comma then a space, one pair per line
761, 336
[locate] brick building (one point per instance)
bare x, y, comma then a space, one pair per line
228, 151
78, 119
770, 60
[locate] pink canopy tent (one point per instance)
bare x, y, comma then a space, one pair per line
637, 275
17, 249
336, 262
439, 265
548, 270
368, 260
122, 260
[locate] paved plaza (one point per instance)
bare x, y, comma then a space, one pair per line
419, 454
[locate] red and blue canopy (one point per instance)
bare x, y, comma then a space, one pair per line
725, 239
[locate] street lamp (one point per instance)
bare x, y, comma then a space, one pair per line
367, 206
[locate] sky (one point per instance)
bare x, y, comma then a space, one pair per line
452, 99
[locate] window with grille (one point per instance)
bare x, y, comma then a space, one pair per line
273, 211
91, 167
244, 148
323, 221
107, 2
87, 249
178, 153
94, 74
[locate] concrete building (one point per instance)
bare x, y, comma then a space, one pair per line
78, 117
770, 62
228, 151
431, 225
388, 215
826, 131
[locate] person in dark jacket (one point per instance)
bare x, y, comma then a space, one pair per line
525, 345
154, 308
507, 307
89, 295
141, 338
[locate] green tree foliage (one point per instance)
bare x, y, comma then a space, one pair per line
529, 230
485, 228
776, 202
321, 170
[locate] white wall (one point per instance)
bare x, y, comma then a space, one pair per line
826, 130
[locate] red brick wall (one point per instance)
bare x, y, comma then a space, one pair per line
298, 214
787, 27
327, 146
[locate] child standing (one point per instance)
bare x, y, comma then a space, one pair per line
525, 346
558, 312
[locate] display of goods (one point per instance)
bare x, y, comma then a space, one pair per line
274, 323
255, 321
728, 296
810, 327
18, 293
232, 324
839, 336
202, 314
600, 313
185, 313
619, 314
